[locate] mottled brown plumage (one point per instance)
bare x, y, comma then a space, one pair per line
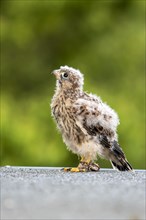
88, 126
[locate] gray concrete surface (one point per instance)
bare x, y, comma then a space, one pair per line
49, 193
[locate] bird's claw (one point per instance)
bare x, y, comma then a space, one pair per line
89, 166
73, 169
83, 167
94, 167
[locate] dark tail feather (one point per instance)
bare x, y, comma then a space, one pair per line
124, 166
119, 161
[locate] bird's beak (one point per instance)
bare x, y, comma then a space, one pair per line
56, 73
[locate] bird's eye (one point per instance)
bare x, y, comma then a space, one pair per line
65, 75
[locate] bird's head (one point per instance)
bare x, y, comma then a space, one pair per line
68, 78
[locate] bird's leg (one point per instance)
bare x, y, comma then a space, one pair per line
88, 165
84, 164
82, 167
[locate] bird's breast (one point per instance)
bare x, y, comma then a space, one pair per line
66, 122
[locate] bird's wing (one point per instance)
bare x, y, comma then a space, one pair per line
95, 118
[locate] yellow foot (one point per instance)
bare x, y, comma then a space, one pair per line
88, 166
93, 167
73, 169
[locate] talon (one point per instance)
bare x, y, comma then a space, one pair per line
73, 169
66, 169
88, 166
94, 167
83, 166
77, 169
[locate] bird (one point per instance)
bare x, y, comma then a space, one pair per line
87, 124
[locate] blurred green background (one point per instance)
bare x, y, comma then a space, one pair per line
104, 39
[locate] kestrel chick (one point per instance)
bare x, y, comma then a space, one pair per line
88, 126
